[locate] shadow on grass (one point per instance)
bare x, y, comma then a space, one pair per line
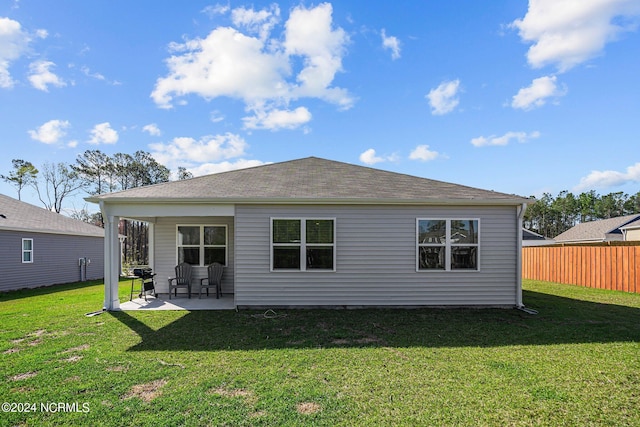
560, 321
45, 290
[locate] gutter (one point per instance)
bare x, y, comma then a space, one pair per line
307, 201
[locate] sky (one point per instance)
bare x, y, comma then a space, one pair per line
513, 96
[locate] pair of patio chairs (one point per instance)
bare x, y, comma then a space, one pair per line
183, 279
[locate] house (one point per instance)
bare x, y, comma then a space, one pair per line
530, 238
631, 231
40, 248
320, 233
604, 230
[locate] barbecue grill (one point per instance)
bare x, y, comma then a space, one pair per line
147, 283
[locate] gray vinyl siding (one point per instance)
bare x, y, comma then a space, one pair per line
55, 259
166, 252
376, 259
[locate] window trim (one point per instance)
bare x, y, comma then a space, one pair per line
202, 246
29, 251
303, 245
447, 245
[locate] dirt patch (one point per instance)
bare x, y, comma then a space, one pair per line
367, 340
118, 368
38, 333
24, 376
72, 379
35, 342
11, 351
233, 392
397, 352
17, 341
308, 408
79, 348
73, 359
146, 392
248, 396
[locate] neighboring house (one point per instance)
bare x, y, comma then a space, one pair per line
530, 238
40, 248
604, 230
321, 233
631, 231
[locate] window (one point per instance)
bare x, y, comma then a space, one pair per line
303, 244
202, 245
27, 251
448, 244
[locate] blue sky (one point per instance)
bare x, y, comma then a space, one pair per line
514, 96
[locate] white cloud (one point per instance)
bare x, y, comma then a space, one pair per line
570, 32
369, 157
218, 9
41, 76
13, 44
87, 72
609, 178
103, 134
264, 71
258, 22
505, 139
444, 98
152, 129
216, 116
537, 94
209, 168
392, 43
422, 152
51, 132
189, 152
278, 119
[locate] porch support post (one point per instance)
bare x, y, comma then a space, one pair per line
152, 244
520, 215
111, 262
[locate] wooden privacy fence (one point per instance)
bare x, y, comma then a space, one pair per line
603, 267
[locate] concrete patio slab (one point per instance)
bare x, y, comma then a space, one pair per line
162, 302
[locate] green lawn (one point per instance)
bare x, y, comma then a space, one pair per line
575, 363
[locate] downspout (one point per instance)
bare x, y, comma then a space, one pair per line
520, 210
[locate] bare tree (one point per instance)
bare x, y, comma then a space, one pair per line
57, 181
22, 175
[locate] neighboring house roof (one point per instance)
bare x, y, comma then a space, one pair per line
310, 180
530, 235
20, 216
595, 231
632, 225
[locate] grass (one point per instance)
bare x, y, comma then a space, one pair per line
575, 363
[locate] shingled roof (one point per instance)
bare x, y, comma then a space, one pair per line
595, 231
20, 216
309, 180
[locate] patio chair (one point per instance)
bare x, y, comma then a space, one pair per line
213, 279
182, 279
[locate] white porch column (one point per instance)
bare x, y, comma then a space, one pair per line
111, 262
152, 245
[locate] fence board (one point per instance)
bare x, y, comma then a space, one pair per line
603, 267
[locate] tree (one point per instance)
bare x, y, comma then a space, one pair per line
22, 175
95, 168
57, 182
183, 173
